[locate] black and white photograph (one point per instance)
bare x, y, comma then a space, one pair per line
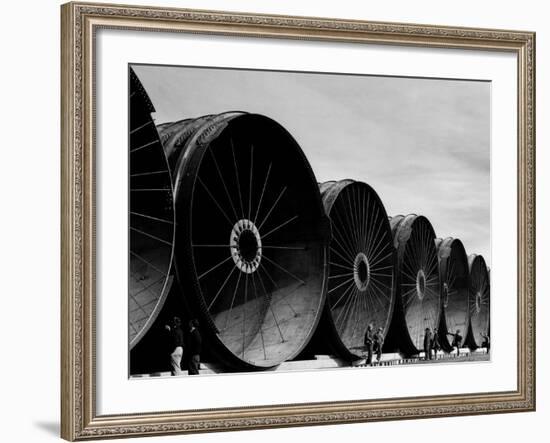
285, 221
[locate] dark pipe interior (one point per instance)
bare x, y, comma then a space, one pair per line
362, 271
248, 246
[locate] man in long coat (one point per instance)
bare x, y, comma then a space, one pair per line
378, 343
427, 344
194, 345
176, 345
436, 346
369, 343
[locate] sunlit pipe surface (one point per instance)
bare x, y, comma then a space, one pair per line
151, 218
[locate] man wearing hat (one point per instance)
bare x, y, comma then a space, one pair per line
427, 344
378, 343
369, 344
176, 345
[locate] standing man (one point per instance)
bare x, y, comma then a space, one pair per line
486, 343
369, 344
176, 340
427, 344
457, 341
378, 343
194, 343
435, 343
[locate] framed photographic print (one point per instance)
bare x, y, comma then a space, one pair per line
280, 221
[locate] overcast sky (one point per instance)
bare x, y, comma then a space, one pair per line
422, 144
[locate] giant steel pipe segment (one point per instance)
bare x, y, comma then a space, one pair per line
252, 236
454, 274
362, 271
151, 217
418, 282
479, 300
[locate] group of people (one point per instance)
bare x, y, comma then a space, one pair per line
374, 341
432, 344
181, 344
189, 344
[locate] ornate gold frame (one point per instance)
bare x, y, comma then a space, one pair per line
79, 420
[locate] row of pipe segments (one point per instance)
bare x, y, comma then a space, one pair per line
228, 225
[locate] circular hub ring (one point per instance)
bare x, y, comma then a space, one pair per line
245, 246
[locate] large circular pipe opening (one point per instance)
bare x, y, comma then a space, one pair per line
453, 265
361, 281
252, 236
480, 297
418, 276
151, 222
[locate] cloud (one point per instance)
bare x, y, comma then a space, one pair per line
423, 144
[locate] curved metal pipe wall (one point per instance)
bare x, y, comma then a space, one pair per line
454, 275
362, 271
151, 217
418, 281
252, 236
479, 299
